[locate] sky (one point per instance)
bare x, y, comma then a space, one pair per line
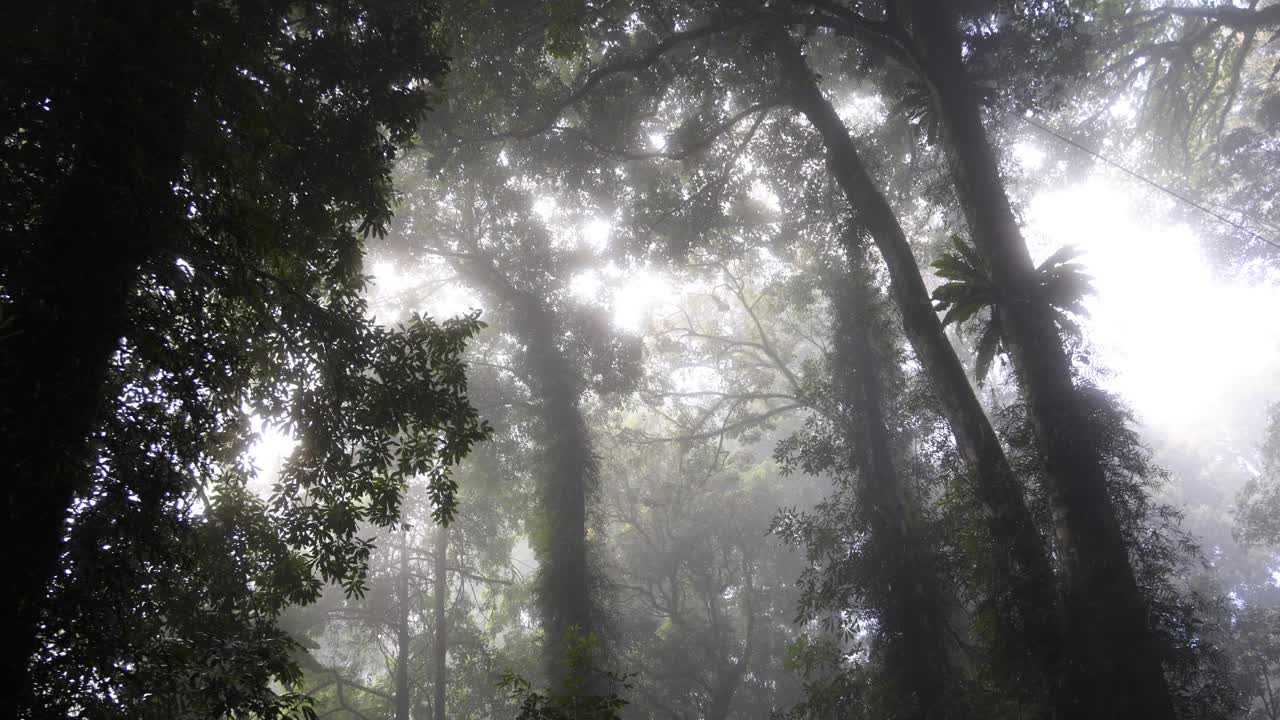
1194, 353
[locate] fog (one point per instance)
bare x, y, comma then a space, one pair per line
586, 360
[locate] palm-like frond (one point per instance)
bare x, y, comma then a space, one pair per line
967, 293
915, 102
1065, 285
967, 289
989, 344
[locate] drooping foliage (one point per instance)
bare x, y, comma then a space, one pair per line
872, 562
1187, 93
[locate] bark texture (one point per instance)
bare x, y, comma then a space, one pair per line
567, 465
440, 646
1113, 666
566, 587
1028, 603
911, 608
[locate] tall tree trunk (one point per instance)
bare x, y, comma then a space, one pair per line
404, 693
1114, 665
439, 595
568, 471
569, 475
1027, 603
68, 302
726, 686
729, 679
908, 593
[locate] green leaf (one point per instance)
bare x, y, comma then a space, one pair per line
988, 345
961, 312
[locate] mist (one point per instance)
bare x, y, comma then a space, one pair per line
427, 359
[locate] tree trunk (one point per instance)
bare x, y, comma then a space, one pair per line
1114, 666
728, 680
726, 686
404, 693
567, 473
68, 301
439, 594
569, 467
1027, 603
907, 591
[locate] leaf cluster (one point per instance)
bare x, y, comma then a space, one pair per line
587, 693
246, 303
967, 296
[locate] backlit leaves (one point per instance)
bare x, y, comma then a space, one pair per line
969, 302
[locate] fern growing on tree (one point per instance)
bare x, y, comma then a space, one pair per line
968, 299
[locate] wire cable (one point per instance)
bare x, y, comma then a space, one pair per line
1027, 118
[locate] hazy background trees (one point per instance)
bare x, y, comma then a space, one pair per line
791, 405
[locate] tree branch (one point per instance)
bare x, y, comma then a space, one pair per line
629, 65
1236, 18
745, 422
681, 154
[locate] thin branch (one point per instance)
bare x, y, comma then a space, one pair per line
630, 65
1237, 18
739, 290
746, 422
730, 396
689, 149
480, 578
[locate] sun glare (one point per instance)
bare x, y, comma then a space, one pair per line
596, 233
1155, 289
637, 297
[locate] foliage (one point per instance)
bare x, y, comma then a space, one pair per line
587, 692
704, 601
1258, 629
1189, 616
1258, 504
220, 561
640, 467
873, 574
837, 684
356, 646
231, 250
1195, 97
967, 297
1258, 510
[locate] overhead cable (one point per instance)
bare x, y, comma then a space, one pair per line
1027, 118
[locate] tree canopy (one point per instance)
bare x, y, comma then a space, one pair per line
635, 359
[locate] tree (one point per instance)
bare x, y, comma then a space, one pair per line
870, 564
1200, 82
724, 32
584, 693
967, 295
1110, 645
894, 572
439, 603
484, 226
183, 250
705, 601
1026, 577
383, 653
1261, 661
944, 542
1258, 505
